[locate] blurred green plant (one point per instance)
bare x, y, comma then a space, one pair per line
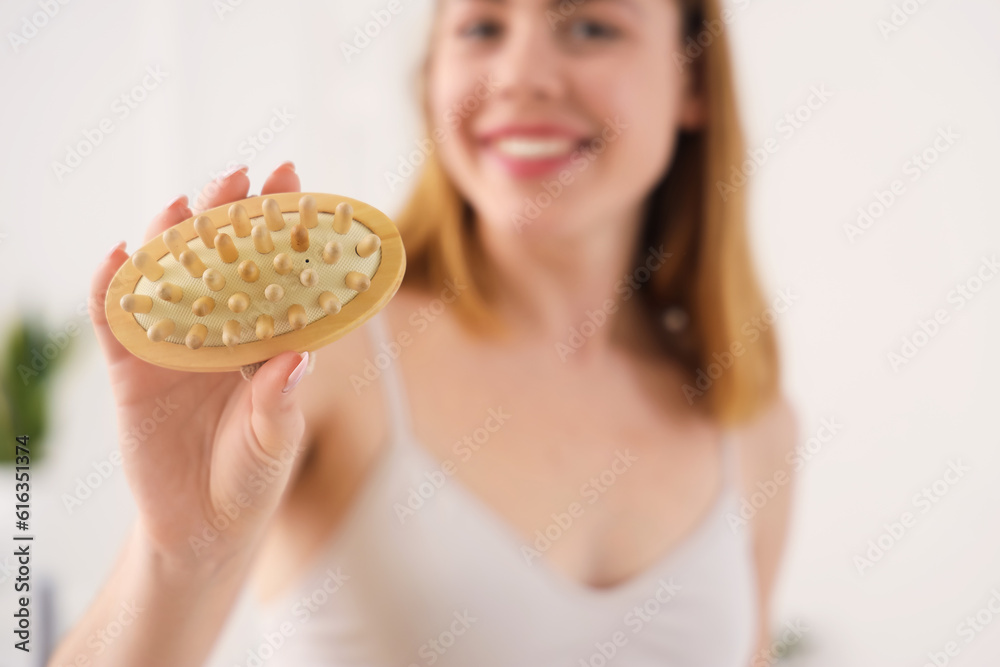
27, 371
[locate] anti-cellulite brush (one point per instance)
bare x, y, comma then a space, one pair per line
241, 283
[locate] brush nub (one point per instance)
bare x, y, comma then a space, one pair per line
192, 263
160, 330
248, 271
332, 252
206, 230
300, 238
329, 302
308, 278
357, 281
262, 239
239, 302
227, 249
203, 305
342, 217
272, 215
240, 219
148, 266
282, 264
213, 280
231, 333
297, 316
169, 292
368, 245
136, 303
175, 242
274, 293
308, 212
196, 336
264, 327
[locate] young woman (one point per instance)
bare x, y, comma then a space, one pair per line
537, 453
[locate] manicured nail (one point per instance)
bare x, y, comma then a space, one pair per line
174, 202
297, 374
118, 246
286, 165
235, 170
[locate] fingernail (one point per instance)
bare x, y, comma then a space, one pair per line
286, 165
297, 374
235, 170
173, 202
118, 246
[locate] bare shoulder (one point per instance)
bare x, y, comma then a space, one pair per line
766, 443
341, 401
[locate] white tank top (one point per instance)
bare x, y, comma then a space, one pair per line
450, 584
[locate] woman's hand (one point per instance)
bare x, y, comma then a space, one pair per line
207, 455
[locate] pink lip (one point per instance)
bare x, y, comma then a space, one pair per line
531, 130
526, 168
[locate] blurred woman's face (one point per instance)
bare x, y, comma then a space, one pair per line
554, 117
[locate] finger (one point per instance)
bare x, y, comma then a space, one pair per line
227, 188
175, 212
277, 420
100, 282
282, 179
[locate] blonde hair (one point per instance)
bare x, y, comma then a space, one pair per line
710, 275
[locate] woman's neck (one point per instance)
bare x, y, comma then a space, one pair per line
567, 287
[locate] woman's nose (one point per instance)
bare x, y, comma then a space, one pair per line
529, 67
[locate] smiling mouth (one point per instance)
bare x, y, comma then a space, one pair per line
535, 148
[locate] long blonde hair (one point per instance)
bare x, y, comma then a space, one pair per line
710, 275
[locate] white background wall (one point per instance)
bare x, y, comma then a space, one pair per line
226, 73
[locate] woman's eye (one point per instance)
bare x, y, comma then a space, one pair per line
481, 30
593, 30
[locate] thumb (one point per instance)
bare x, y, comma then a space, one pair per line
277, 420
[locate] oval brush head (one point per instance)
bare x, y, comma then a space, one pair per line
241, 283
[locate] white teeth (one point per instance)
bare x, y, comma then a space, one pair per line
534, 149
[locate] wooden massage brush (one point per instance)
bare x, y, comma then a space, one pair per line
238, 284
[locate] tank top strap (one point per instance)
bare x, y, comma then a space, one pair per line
390, 378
